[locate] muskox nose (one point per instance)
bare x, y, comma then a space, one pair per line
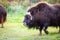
24, 24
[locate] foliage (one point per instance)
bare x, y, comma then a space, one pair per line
4, 3
15, 8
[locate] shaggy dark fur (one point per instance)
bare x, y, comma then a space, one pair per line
3, 15
43, 15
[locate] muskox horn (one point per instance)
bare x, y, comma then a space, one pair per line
28, 13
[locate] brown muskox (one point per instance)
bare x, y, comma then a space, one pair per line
43, 15
3, 15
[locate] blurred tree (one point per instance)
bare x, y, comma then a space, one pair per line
35, 1
10, 0
4, 3
52, 1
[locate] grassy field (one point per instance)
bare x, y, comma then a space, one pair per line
14, 30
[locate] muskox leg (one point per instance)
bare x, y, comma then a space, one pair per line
2, 26
2, 22
40, 29
45, 28
59, 29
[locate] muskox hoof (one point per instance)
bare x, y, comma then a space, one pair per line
46, 32
59, 32
2, 27
40, 34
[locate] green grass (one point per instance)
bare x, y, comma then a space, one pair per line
15, 30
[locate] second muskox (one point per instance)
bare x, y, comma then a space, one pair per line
43, 15
3, 15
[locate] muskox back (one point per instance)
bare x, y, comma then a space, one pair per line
46, 13
3, 15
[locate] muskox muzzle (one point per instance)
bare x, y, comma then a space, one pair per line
27, 20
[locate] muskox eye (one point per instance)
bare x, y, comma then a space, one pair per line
27, 17
32, 13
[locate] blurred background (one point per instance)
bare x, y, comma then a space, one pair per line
22, 5
14, 28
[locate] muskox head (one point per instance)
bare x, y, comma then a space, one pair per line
28, 20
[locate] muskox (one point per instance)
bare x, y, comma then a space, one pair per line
43, 15
3, 15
